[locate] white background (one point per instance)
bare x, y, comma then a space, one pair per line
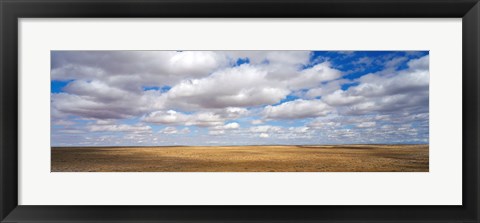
441, 186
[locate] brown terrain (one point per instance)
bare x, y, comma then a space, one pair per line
338, 158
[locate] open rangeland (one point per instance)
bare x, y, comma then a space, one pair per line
338, 158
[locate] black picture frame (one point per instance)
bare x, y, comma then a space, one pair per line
12, 10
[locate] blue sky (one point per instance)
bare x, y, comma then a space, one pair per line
135, 98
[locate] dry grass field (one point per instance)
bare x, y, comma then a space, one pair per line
341, 158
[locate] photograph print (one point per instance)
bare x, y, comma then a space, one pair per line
239, 111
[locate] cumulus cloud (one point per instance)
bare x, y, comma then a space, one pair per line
281, 133
139, 128
263, 135
366, 124
313, 76
386, 92
233, 112
340, 97
242, 86
265, 129
96, 99
324, 89
112, 83
173, 130
221, 129
421, 64
297, 109
176, 118
232, 125
145, 67
239, 96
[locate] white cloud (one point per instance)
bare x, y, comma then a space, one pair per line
96, 99
265, 129
386, 91
366, 125
173, 130
216, 132
318, 123
221, 129
242, 86
85, 107
420, 63
108, 84
207, 89
280, 133
205, 119
146, 67
171, 117
314, 76
301, 129
120, 128
169, 130
297, 109
340, 97
232, 125
325, 89
233, 112
263, 135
